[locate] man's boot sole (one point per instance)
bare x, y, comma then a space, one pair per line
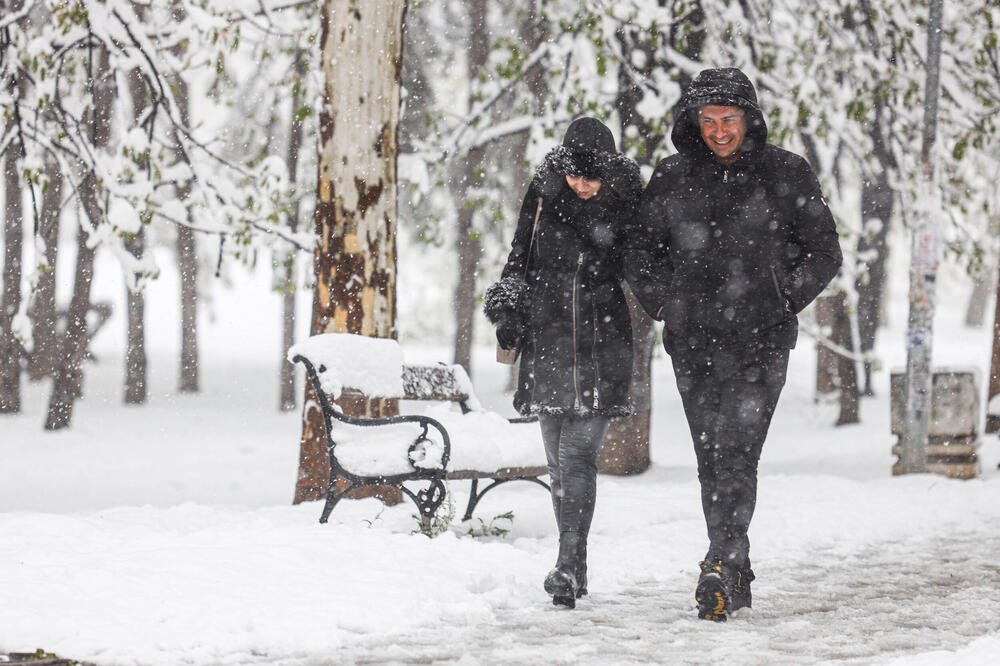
713, 602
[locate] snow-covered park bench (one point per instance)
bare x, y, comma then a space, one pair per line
455, 439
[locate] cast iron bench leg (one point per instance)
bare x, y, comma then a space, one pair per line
474, 497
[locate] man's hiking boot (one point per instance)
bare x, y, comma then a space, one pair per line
741, 597
713, 592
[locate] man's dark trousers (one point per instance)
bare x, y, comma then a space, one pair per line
729, 397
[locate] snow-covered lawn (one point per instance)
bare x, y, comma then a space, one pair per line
164, 534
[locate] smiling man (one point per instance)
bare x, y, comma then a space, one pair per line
731, 240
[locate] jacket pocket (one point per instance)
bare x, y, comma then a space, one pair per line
782, 300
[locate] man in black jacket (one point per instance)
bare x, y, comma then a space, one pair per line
731, 240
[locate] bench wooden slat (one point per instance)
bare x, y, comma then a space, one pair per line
503, 473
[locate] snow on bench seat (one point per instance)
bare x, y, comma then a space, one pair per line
481, 442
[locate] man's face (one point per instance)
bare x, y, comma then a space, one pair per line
723, 129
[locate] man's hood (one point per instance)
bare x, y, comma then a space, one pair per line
727, 86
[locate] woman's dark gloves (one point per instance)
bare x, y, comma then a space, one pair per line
509, 332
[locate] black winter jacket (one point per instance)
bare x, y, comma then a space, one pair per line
576, 354
727, 255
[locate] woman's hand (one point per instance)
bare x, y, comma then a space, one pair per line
509, 331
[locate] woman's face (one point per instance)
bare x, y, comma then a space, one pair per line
585, 188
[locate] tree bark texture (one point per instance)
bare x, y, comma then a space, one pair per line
982, 287
136, 366
13, 235
993, 420
135, 349
925, 257
847, 369
44, 316
67, 384
187, 262
877, 202
356, 206
467, 244
826, 358
286, 378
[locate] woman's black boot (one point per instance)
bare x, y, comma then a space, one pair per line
581, 567
561, 581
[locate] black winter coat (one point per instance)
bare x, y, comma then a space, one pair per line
727, 255
576, 354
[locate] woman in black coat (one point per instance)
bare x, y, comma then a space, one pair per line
560, 302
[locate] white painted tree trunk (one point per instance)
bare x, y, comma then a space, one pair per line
355, 258
923, 273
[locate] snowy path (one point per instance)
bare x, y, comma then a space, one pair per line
854, 610
163, 536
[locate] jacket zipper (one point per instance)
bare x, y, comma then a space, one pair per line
593, 356
576, 364
725, 176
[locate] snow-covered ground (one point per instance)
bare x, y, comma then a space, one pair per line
164, 534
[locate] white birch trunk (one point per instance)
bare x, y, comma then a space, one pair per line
923, 273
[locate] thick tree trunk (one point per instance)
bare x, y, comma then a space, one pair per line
286, 379
44, 317
135, 350
356, 207
467, 245
13, 234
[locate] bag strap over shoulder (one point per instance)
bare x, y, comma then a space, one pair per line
531, 244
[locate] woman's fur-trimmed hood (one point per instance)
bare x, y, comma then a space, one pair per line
588, 150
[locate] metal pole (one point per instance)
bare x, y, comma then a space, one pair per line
924, 261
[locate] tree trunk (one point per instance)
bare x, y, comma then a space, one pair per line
467, 245
135, 350
289, 287
826, 358
982, 287
13, 234
187, 262
356, 206
877, 201
67, 384
67, 381
923, 273
993, 415
186, 247
44, 317
847, 369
